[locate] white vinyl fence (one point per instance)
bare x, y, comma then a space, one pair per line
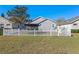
60, 31
17, 32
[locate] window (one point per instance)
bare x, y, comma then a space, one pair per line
74, 24
25, 24
1, 25
8, 24
52, 25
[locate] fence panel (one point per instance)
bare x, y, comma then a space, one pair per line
10, 32
18, 32
60, 31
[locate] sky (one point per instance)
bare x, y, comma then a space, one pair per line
47, 11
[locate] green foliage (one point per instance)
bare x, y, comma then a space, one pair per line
1, 31
75, 31
60, 21
18, 14
2, 15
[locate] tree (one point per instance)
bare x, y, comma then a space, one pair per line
18, 14
60, 20
2, 15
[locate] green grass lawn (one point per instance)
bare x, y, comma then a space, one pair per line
39, 44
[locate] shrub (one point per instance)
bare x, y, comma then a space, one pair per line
75, 31
1, 31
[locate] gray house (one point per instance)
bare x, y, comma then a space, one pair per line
41, 23
4, 23
7, 24
74, 22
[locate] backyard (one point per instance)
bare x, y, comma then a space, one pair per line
39, 44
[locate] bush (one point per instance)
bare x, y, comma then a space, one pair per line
1, 31
75, 31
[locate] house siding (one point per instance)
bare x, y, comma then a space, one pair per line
5, 23
8, 25
75, 25
46, 25
64, 30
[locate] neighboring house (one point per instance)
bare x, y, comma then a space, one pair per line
64, 29
40, 23
74, 22
4, 23
44, 24
7, 24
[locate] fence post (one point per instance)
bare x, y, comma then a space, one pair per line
58, 31
18, 31
50, 32
3, 32
34, 32
12, 32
